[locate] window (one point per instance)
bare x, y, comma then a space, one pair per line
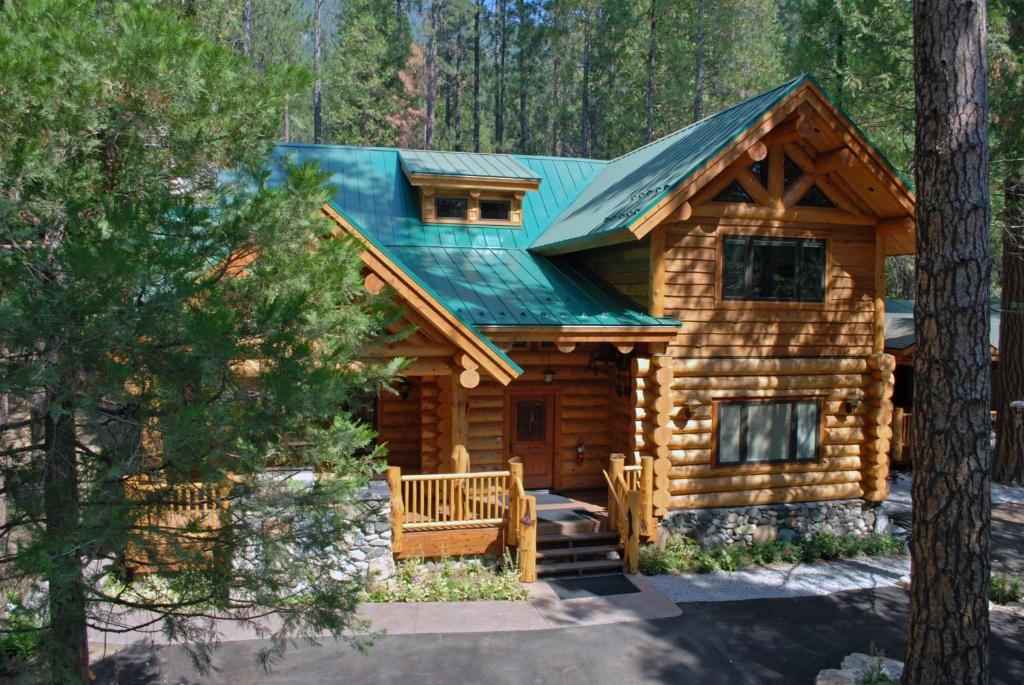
758, 432
495, 210
451, 207
780, 269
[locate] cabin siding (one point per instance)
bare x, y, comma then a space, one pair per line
398, 425
840, 326
624, 267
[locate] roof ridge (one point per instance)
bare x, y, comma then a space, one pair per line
781, 86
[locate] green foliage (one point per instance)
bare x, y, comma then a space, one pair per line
19, 636
1005, 588
129, 317
450, 580
682, 555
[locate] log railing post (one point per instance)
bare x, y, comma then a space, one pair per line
897, 435
633, 532
648, 526
515, 481
616, 470
394, 479
528, 541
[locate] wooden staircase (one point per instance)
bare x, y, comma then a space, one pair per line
578, 553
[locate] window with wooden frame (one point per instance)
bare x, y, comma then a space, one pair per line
454, 206
776, 269
767, 431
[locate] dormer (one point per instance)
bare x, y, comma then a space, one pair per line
469, 188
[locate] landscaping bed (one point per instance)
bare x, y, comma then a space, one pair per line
451, 580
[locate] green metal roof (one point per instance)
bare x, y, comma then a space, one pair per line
435, 163
485, 275
630, 185
899, 324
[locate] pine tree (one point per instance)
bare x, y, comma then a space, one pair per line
133, 336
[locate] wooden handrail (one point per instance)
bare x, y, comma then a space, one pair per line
454, 476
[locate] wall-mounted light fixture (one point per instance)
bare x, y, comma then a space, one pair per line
851, 405
549, 375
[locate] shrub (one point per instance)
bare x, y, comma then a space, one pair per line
450, 580
20, 645
682, 555
1005, 588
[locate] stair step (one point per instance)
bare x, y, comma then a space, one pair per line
579, 567
563, 539
555, 552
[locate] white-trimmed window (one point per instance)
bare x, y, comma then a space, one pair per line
767, 431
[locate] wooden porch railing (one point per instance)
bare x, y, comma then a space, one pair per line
454, 501
630, 505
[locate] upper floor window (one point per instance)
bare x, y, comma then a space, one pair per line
775, 269
495, 210
451, 207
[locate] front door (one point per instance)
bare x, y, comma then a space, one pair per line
532, 431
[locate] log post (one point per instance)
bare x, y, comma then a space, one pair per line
633, 533
394, 479
616, 468
648, 526
897, 435
515, 467
527, 555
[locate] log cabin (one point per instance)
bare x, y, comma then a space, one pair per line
695, 327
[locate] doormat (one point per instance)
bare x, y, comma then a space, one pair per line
596, 586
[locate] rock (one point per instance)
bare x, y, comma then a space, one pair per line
731, 517
863, 664
881, 522
764, 534
787, 534
357, 554
833, 676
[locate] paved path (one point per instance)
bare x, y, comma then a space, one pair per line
769, 641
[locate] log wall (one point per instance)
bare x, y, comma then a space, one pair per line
625, 267
841, 326
398, 425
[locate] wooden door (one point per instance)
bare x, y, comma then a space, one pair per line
532, 432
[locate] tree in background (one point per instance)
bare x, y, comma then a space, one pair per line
142, 349
1008, 105
949, 622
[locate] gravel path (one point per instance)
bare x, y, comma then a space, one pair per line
798, 580
899, 493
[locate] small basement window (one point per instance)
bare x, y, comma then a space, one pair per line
774, 269
767, 431
495, 210
451, 207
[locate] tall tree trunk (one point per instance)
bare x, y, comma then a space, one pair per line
317, 48
524, 18
1009, 461
68, 654
585, 104
247, 27
457, 89
476, 78
499, 74
698, 64
949, 622
431, 65
652, 46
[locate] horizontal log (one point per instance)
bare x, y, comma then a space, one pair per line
684, 486
735, 367
831, 381
784, 495
708, 471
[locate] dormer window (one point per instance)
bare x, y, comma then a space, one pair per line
469, 188
451, 208
495, 210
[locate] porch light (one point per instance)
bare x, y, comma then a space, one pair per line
852, 404
549, 375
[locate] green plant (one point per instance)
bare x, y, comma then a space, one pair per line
1005, 588
19, 636
452, 580
682, 555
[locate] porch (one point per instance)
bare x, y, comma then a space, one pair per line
487, 512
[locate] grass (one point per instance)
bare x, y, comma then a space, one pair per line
450, 580
683, 555
1005, 588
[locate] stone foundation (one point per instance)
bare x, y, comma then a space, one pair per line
369, 550
764, 523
